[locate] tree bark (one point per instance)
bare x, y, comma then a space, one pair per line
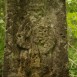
36, 39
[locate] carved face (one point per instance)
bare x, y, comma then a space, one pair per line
41, 32
44, 38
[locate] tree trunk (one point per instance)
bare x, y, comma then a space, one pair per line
36, 39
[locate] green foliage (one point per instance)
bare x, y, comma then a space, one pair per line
2, 29
71, 5
72, 24
73, 60
72, 36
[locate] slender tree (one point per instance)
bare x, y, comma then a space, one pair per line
36, 39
